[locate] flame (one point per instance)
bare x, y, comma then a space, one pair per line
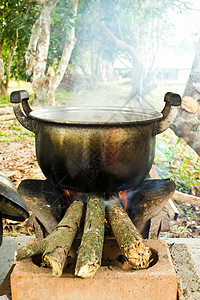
68, 197
67, 193
124, 199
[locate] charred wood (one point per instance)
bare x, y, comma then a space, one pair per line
148, 200
45, 201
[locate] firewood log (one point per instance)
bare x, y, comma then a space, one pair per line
55, 247
128, 238
90, 250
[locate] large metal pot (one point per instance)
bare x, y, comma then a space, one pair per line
102, 149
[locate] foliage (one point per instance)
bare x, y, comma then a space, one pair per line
175, 159
60, 24
5, 100
16, 20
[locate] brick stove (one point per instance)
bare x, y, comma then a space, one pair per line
114, 279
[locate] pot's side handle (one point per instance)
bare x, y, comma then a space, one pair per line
169, 112
16, 98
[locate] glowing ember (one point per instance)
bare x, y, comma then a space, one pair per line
106, 223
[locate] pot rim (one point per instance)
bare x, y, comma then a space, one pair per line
81, 115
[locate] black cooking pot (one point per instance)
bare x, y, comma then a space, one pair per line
95, 149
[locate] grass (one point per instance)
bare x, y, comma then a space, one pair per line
16, 133
5, 100
177, 160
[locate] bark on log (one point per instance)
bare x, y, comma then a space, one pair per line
128, 238
90, 250
55, 247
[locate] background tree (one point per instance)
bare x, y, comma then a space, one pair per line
187, 122
16, 20
46, 80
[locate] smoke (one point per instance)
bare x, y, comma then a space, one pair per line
126, 56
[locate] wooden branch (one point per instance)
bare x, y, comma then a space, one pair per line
55, 247
30, 250
90, 251
119, 43
178, 196
172, 210
155, 226
128, 238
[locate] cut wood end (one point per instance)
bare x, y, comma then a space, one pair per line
87, 271
56, 268
15, 255
138, 255
57, 260
89, 268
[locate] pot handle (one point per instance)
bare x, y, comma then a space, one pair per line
169, 112
22, 116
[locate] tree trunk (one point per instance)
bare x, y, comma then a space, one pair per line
42, 49
32, 48
3, 91
66, 54
10, 61
136, 80
44, 85
136, 60
187, 122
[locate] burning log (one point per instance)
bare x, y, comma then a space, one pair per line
55, 247
90, 250
128, 238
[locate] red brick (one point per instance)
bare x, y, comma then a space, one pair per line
28, 281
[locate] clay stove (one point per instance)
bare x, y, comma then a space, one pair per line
114, 278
